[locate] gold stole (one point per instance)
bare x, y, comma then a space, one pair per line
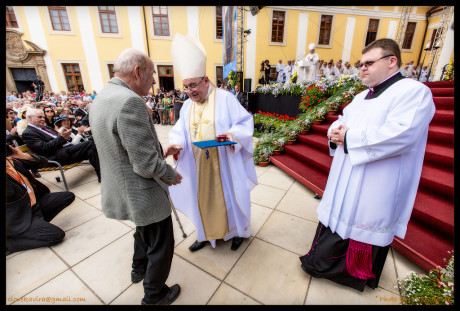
211, 202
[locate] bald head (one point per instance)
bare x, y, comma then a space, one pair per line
127, 60
136, 69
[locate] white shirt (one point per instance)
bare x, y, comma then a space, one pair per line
370, 191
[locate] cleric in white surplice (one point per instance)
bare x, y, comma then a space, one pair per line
217, 181
378, 147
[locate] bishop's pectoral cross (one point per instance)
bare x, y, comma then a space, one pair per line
197, 127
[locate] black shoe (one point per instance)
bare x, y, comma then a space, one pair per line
236, 243
197, 246
36, 174
137, 277
167, 299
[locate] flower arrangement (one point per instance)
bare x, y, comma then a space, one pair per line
314, 96
290, 135
347, 96
449, 74
293, 78
263, 155
278, 144
232, 78
304, 124
436, 288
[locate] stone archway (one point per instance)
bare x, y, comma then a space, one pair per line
18, 56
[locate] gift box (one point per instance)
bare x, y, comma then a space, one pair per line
221, 138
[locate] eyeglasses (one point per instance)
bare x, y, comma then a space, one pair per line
192, 87
10, 112
48, 110
369, 63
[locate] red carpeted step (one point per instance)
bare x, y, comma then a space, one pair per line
316, 158
441, 134
439, 156
434, 212
442, 91
316, 140
443, 103
427, 248
312, 178
443, 117
440, 84
320, 128
437, 181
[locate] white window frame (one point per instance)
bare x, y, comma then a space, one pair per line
215, 25
215, 65
106, 69
152, 29
99, 24
286, 18
377, 36
59, 32
62, 75
414, 38
18, 19
157, 74
331, 39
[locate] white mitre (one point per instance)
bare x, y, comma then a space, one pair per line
311, 46
188, 56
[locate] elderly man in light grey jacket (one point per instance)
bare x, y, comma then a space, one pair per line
136, 176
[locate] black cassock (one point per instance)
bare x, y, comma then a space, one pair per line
326, 259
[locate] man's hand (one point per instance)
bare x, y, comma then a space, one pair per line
172, 149
229, 138
176, 180
81, 129
66, 133
18, 154
337, 135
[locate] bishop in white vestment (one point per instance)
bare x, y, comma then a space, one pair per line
216, 184
378, 147
313, 58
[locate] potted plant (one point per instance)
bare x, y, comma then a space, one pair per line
278, 146
263, 158
304, 126
347, 98
333, 107
290, 137
319, 116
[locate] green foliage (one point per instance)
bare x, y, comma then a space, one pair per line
436, 288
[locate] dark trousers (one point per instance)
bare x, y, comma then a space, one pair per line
176, 115
153, 253
326, 259
79, 152
41, 233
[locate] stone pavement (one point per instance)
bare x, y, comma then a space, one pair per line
93, 263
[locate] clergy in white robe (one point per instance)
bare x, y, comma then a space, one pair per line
280, 71
287, 72
217, 181
313, 58
378, 147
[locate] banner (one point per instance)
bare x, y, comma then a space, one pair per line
229, 42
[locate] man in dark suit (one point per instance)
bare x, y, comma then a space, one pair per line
242, 98
55, 146
30, 205
80, 112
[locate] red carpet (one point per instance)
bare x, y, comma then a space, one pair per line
430, 232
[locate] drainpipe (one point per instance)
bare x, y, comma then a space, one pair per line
147, 38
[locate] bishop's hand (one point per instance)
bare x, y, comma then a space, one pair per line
172, 149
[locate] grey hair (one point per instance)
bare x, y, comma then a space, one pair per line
32, 113
128, 59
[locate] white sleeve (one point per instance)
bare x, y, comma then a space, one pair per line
406, 122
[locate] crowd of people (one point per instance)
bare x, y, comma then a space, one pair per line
213, 183
332, 70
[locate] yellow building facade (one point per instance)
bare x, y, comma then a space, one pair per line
75, 46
